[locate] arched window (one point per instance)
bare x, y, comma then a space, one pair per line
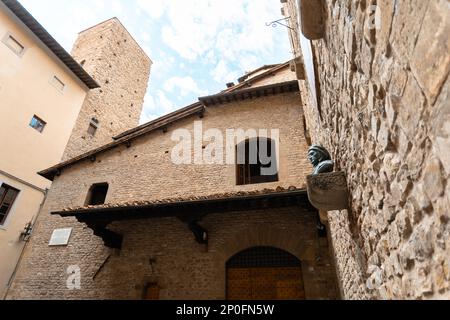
256, 161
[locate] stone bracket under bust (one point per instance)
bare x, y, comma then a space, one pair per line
327, 190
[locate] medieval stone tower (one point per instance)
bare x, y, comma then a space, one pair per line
109, 53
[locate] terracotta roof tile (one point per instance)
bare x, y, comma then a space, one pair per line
155, 203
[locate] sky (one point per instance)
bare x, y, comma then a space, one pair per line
197, 46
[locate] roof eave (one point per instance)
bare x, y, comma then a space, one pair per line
39, 31
247, 197
50, 173
251, 93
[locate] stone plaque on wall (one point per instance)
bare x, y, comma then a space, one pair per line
60, 237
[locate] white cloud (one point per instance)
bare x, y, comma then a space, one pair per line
196, 26
186, 85
116, 6
223, 74
164, 104
154, 8
155, 106
234, 30
191, 42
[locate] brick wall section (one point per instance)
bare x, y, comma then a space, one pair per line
135, 173
385, 114
122, 69
183, 268
145, 172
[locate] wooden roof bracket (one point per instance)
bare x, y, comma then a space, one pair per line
110, 238
200, 233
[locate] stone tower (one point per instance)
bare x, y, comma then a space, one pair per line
109, 53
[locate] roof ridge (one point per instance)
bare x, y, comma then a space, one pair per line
249, 73
258, 77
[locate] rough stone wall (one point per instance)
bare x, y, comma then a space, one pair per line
122, 69
145, 172
384, 114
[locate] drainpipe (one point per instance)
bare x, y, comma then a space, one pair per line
33, 222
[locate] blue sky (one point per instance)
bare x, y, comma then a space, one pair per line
197, 46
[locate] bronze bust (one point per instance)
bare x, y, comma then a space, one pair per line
320, 159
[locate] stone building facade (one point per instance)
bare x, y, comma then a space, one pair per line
383, 111
115, 60
154, 210
42, 89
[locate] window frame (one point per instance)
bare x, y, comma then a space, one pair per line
35, 117
5, 41
89, 197
7, 215
94, 123
243, 171
54, 80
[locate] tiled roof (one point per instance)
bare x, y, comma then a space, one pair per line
249, 74
161, 123
251, 93
179, 200
248, 82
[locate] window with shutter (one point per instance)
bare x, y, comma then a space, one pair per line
7, 197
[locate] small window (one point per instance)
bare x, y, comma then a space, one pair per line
38, 124
97, 194
7, 197
58, 84
256, 161
14, 45
93, 126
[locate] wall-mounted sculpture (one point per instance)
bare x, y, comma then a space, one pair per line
321, 160
327, 190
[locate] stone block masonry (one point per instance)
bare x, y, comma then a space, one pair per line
114, 59
384, 113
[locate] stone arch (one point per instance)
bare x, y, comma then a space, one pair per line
250, 257
260, 236
263, 236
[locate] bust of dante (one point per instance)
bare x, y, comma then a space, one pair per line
320, 159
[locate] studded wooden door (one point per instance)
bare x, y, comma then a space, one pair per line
264, 273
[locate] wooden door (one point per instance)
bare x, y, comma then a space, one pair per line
151, 292
265, 284
264, 273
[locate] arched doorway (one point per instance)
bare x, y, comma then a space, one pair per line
264, 273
